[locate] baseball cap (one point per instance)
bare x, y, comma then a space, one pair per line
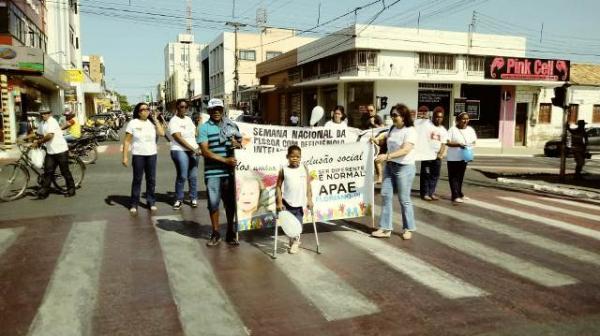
215, 102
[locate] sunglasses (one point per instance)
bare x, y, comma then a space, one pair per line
394, 115
144, 109
182, 106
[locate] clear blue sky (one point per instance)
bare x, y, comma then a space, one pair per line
132, 37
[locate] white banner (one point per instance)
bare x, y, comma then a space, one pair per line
342, 183
268, 139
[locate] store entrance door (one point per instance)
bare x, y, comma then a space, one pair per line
521, 124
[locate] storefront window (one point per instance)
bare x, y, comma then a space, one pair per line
358, 96
489, 117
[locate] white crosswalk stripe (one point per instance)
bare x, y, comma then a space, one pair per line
515, 233
8, 237
510, 263
70, 298
573, 203
325, 289
203, 306
424, 273
552, 208
539, 219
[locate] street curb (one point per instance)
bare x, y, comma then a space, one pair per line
542, 186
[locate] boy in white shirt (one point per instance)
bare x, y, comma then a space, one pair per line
430, 169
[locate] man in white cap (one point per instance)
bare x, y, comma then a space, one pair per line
217, 139
50, 136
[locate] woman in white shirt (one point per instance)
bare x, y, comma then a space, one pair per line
338, 118
140, 135
184, 152
461, 138
399, 172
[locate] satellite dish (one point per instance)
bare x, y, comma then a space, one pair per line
290, 224
316, 115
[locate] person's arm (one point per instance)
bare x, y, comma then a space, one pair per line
278, 193
207, 153
67, 124
451, 143
126, 145
159, 128
442, 152
309, 202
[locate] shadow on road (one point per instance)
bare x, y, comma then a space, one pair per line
185, 228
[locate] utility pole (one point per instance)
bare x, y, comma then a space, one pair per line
189, 51
236, 75
472, 30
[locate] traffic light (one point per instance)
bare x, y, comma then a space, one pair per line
560, 94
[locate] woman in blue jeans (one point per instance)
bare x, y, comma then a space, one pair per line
398, 173
140, 135
184, 152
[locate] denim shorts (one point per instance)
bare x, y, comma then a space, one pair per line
217, 188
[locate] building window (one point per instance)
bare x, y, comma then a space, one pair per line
573, 113
271, 54
367, 59
545, 115
475, 63
248, 55
444, 62
596, 114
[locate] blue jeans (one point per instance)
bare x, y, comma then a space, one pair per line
430, 173
221, 188
70, 138
186, 164
143, 164
397, 177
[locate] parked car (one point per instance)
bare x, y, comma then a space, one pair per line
552, 147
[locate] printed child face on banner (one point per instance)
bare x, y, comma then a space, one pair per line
250, 187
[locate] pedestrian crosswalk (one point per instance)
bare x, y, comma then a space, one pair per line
493, 230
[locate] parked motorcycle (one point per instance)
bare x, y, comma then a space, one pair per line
86, 148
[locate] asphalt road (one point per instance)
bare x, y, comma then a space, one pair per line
504, 263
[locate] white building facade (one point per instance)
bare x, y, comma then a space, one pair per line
183, 67
252, 48
422, 69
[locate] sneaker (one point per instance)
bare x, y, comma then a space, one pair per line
231, 239
153, 208
435, 197
406, 235
427, 198
457, 201
215, 239
294, 247
465, 198
194, 203
177, 205
381, 233
133, 211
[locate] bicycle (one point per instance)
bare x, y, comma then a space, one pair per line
15, 176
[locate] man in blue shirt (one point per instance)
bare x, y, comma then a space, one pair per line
217, 140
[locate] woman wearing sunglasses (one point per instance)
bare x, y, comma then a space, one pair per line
184, 152
141, 135
398, 173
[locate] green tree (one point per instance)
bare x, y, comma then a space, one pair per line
125, 107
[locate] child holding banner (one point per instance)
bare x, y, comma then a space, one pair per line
294, 190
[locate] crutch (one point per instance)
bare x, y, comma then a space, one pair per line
275, 242
312, 214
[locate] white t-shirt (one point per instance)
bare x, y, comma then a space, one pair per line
294, 186
465, 136
144, 137
332, 124
186, 127
398, 137
57, 144
438, 135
